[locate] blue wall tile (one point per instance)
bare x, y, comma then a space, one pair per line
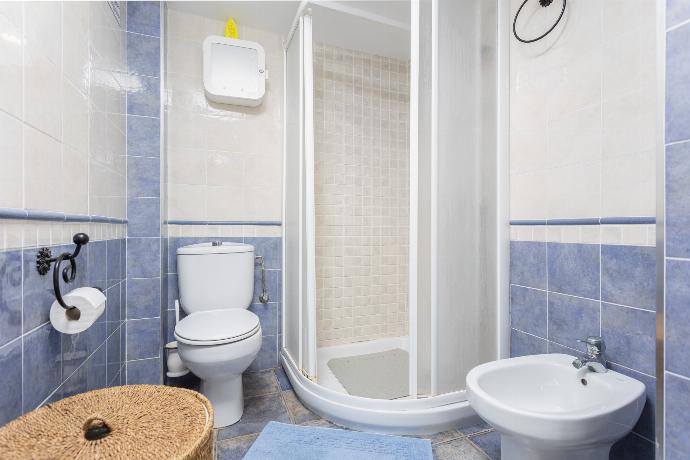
114, 264
144, 18
522, 344
10, 296
677, 316
97, 274
143, 136
268, 317
143, 216
143, 96
143, 257
144, 298
678, 84
574, 269
144, 371
630, 336
678, 200
528, 310
173, 293
76, 348
143, 177
42, 365
38, 292
113, 308
143, 55
528, 264
268, 247
677, 11
143, 338
628, 275
572, 318
268, 354
11, 381
95, 369
677, 441
114, 354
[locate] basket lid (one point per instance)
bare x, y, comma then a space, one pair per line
130, 421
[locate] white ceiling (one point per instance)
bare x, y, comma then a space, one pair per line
374, 26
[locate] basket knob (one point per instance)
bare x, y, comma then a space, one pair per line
95, 428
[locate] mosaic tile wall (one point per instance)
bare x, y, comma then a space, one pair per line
361, 193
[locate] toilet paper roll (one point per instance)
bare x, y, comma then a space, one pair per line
90, 302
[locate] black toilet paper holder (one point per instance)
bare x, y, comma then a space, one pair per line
45, 258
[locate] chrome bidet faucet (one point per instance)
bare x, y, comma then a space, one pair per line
594, 358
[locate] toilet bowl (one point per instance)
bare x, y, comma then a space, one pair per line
219, 338
217, 360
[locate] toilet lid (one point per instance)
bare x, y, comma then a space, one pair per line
215, 327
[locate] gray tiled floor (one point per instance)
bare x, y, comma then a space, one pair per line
268, 396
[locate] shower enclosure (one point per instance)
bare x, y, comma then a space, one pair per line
394, 225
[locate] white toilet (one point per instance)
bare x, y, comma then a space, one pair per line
219, 338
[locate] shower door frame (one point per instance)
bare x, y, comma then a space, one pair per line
414, 415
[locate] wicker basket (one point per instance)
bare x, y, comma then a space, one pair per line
125, 422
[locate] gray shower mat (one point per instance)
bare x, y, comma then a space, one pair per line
382, 375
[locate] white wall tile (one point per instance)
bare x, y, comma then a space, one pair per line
42, 163
11, 66
11, 152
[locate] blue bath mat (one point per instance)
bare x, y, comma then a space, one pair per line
281, 441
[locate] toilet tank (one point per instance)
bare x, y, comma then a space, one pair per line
213, 276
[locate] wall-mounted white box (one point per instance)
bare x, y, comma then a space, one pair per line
234, 71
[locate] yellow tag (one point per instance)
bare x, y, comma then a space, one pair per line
231, 29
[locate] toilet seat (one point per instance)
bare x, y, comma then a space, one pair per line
217, 327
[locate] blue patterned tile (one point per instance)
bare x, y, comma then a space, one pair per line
114, 264
143, 338
42, 365
283, 380
268, 354
677, 11
572, 318
144, 298
172, 291
490, 443
522, 344
678, 200
113, 308
574, 269
11, 381
10, 296
143, 55
268, 316
677, 441
170, 328
143, 96
678, 84
144, 371
114, 354
143, 177
629, 275
144, 18
270, 248
474, 428
76, 348
677, 317
143, 257
273, 282
528, 264
630, 336
97, 256
528, 310
96, 370
143, 136
143, 216
633, 447
644, 426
